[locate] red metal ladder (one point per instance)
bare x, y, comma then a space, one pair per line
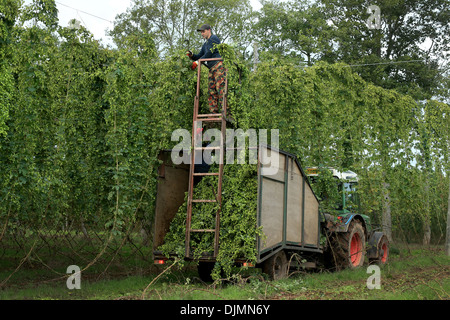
197, 119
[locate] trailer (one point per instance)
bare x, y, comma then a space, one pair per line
287, 210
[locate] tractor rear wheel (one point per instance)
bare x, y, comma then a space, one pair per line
382, 252
351, 246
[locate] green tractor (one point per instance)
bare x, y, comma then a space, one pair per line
350, 235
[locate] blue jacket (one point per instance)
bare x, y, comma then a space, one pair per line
208, 52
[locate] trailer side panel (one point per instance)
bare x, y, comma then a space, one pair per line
311, 229
288, 210
172, 186
294, 204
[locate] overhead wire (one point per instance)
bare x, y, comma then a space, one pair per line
78, 10
383, 63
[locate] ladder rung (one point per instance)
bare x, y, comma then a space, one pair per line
246, 148
210, 118
204, 201
216, 115
208, 148
206, 174
203, 230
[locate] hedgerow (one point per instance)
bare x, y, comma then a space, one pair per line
81, 127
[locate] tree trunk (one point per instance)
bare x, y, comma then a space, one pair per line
84, 231
255, 56
427, 225
447, 240
145, 237
427, 231
386, 217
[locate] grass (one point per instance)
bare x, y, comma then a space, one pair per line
413, 273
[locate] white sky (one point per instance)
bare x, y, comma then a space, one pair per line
104, 9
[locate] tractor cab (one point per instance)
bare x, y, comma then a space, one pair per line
337, 192
342, 188
347, 189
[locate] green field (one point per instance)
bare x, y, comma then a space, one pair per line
413, 273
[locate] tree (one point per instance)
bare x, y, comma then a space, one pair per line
41, 13
434, 133
167, 22
296, 28
230, 19
413, 31
8, 14
171, 23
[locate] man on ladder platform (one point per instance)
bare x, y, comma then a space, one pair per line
217, 103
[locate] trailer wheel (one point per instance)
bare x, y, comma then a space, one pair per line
276, 267
382, 251
351, 246
204, 271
